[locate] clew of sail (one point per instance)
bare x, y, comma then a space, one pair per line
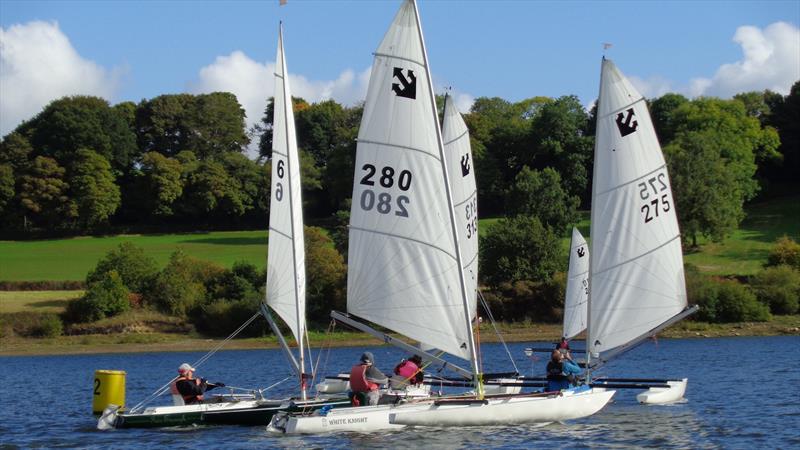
403, 270
460, 166
577, 293
637, 280
286, 273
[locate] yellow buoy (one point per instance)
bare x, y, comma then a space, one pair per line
109, 389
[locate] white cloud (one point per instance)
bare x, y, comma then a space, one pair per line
771, 60
38, 65
253, 83
652, 87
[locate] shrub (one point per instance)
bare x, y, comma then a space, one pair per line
787, 252
221, 318
105, 297
737, 304
778, 287
528, 300
135, 268
180, 287
517, 249
702, 291
49, 326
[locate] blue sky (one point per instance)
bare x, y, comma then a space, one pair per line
124, 50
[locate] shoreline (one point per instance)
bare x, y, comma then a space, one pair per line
162, 342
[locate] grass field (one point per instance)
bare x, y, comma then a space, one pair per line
36, 301
71, 259
743, 253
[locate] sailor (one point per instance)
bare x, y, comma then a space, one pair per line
410, 370
191, 389
561, 371
365, 379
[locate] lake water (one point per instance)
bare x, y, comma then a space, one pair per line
743, 393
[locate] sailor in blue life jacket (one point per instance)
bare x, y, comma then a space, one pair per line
561, 371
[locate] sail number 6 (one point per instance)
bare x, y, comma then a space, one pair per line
382, 202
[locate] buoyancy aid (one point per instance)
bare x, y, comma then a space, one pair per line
407, 369
358, 379
187, 398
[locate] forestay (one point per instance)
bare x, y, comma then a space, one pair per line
403, 269
460, 167
286, 274
577, 294
637, 279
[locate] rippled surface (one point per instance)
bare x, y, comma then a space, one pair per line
742, 393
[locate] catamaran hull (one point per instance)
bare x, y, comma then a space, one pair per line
225, 413
447, 413
661, 396
508, 411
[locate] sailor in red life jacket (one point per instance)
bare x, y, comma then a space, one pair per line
366, 378
190, 388
410, 370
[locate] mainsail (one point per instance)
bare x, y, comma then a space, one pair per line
286, 273
577, 294
460, 167
636, 278
403, 263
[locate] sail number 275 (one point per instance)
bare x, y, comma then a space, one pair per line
656, 199
383, 201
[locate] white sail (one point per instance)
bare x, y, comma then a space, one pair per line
577, 294
460, 166
403, 270
636, 280
286, 273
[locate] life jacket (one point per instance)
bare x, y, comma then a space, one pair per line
187, 399
407, 369
358, 379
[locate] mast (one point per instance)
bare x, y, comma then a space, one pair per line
471, 340
287, 103
592, 237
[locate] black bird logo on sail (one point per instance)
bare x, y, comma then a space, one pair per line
625, 123
407, 86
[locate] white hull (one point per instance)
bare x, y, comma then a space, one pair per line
449, 412
509, 411
660, 396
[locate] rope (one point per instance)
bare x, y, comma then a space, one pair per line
325, 348
197, 364
494, 325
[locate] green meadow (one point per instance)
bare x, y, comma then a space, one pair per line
743, 253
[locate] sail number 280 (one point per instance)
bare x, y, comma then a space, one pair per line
660, 200
383, 201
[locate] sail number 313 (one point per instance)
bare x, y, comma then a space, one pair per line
383, 202
659, 201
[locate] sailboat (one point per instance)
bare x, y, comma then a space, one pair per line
405, 260
637, 285
577, 292
285, 292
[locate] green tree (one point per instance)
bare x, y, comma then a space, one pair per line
325, 276
209, 189
43, 194
180, 287
709, 199
6, 186
73, 123
163, 123
106, 297
737, 304
93, 189
217, 125
662, 111
15, 151
539, 194
519, 248
136, 270
160, 184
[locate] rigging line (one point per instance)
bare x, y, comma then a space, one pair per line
280, 233
494, 325
468, 198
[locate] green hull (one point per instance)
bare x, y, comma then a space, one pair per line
254, 415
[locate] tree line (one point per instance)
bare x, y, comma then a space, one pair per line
83, 166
